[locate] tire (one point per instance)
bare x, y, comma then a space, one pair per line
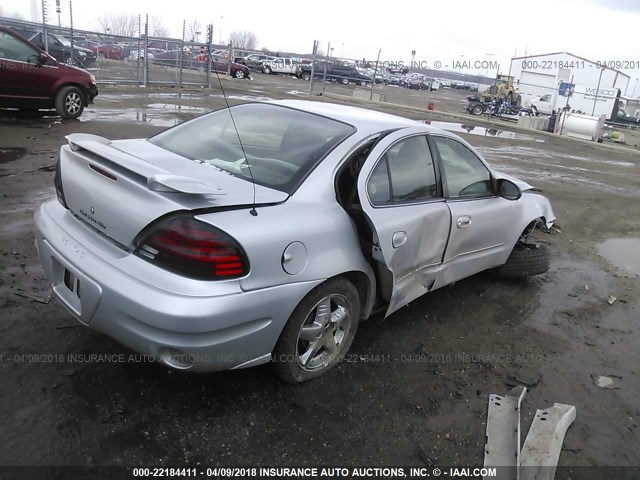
363, 83
239, 74
101, 56
344, 81
306, 76
298, 360
477, 110
509, 98
518, 101
69, 102
525, 261
266, 70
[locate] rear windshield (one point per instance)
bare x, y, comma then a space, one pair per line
281, 145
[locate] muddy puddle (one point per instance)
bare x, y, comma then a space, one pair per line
11, 154
624, 253
482, 131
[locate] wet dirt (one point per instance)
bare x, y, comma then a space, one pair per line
414, 385
11, 154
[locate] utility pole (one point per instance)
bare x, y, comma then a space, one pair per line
375, 71
326, 61
44, 25
313, 65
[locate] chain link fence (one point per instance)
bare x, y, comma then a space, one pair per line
141, 60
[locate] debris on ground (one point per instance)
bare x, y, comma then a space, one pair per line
35, 298
611, 300
604, 381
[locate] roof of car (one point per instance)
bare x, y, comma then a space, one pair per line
361, 118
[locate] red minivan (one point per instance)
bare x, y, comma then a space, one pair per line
32, 79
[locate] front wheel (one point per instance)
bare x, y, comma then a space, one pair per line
69, 102
306, 76
344, 81
526, 259
266, 70
319, 332
239, 74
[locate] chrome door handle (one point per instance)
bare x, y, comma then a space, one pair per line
399, 239
464, 221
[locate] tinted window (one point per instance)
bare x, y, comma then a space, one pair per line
464, 174
405, 173
281, 145
13, 49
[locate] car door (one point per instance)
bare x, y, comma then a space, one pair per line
401, 197
480, 217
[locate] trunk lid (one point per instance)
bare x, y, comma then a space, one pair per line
119, 187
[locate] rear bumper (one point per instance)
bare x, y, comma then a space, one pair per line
218, 328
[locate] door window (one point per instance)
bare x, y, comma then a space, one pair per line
13, 49
405, 173
464, 174
546, 98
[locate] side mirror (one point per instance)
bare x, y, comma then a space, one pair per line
43, 58
507, 189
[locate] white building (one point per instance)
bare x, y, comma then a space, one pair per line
536, 75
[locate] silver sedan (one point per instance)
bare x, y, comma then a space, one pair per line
266, 232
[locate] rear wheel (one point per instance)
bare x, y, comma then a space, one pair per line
526, 259
319, 332
344, 81
306, 76
266, 69
101, 56
69, 102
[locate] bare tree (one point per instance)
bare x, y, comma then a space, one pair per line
243, 39
104, 23
157, 29
122, 25
193, 30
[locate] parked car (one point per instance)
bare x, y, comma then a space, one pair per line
221, 65
57, 46
214, 257
280, 65
337, 72
33, 79
254, 61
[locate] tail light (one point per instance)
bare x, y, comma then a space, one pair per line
194, 249
57, 182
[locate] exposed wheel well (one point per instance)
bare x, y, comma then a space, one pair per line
364, 287
539, 222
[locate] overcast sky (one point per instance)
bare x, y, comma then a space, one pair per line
437, 30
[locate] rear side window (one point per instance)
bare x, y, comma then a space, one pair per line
281, 145
12, 48
405, 173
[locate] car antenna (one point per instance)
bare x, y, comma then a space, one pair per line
253, 210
